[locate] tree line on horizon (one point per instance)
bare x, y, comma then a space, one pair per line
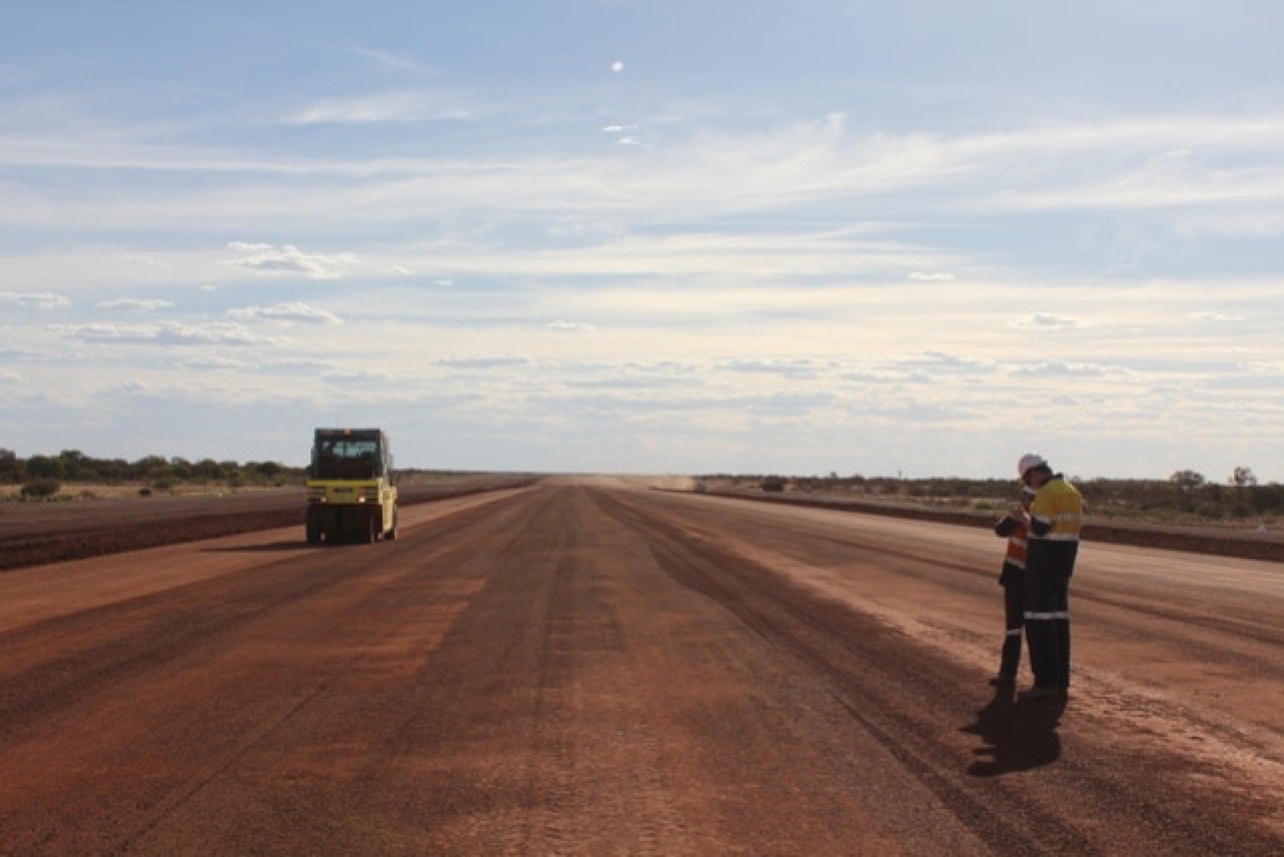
1185, 492
44, 474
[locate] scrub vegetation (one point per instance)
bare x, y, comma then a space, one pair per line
45, 476
1185, 497
72, 475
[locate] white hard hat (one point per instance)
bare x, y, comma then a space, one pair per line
1028, 462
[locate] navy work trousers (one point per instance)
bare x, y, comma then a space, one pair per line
1013, 618
1048, 567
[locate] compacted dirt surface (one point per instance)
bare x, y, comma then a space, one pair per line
588, 667
38, 533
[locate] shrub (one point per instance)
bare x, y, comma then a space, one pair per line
43, 467
268, 469
10, 467
41, 488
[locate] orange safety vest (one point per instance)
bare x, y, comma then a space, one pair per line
1016, 546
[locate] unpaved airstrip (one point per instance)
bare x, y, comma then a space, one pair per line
593, 667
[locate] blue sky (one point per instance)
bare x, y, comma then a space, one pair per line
653, 237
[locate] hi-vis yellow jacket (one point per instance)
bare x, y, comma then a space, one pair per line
1057, 511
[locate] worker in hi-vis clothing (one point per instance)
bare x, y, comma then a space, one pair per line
1054, 520
1012, 579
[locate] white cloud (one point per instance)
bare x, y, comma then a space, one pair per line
571, 327
286, 312
287, 259
18, 354
716, 173
1216, 316
1062, 369
1165, 141
939, 362
786, 367
350, 376
1266, 367
136, 304
39, 300
166, 334
726, 244
624, 134
208, 333
134, 388
388, 107
1046, 321
483, 361
217, 363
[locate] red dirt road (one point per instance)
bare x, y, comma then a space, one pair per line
588, 668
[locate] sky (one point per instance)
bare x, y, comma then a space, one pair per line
649, 236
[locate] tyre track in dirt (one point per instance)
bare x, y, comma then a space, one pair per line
583, 669
858, 659
1225, 626
1234, 621
146, 707
81, 652
510, 748
899, 695
50, 532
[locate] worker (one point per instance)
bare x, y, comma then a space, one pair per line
1054, 520
1012, 579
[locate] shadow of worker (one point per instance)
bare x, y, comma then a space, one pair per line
1018, 735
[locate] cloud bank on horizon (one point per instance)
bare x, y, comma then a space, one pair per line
649, 237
